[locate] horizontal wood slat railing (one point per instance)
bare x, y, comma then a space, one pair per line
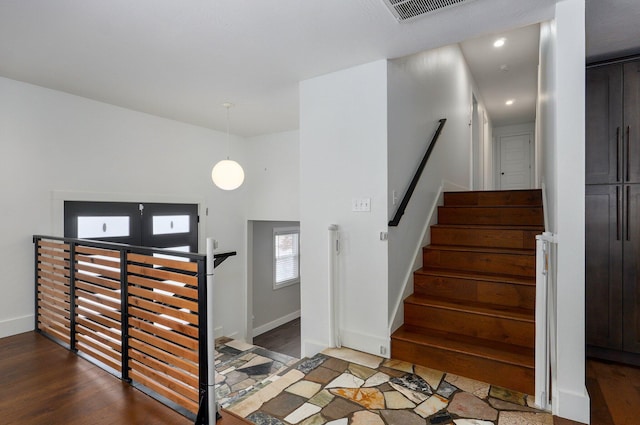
140, 316
416, 177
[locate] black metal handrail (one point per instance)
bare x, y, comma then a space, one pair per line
416, 177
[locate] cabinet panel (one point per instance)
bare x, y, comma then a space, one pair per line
631, 277
632, 122
604, 130
603, 252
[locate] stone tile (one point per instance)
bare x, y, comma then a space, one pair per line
431, 406
369, 398
322, 375
234, 377
247, 356
242, 385
505, 405
257, 366
253, 402
336, 364
346, 380
414, 396
394, 373
440, 418
302, 413
353, 356
432, 376
304, 388
477, 388
398, 365
260, 418
360, 371
220, 378
401, 417
471, 422
378, 379
525, 418
467, 405
230, 351
316, 419
239, 345
385, 387
446, 389
340, 408
413, 382
279, 357
308, 365
395, 400
366, 418
321, 399
223, 391
508, 395
341, 421
283, 404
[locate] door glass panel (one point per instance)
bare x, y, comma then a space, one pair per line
102, 227
169, 224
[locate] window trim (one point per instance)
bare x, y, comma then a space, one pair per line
279, 231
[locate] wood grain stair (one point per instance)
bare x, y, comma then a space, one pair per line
472, 310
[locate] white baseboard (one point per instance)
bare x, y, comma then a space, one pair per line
16, 325
311, 348
275, 323
573, 406
371, 344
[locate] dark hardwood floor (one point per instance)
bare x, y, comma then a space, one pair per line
42, 383
284, 339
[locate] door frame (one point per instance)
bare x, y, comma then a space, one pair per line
509, 131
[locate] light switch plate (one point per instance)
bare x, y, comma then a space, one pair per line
361, 204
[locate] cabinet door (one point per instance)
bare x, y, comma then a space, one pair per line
631, 277
632, 122
603, 252
604, 125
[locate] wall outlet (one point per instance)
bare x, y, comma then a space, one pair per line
383, 350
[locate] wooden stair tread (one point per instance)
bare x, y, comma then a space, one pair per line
492, 350
532, 227
464, 248
488, 277
475, 307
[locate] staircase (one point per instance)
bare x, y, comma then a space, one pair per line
472, 310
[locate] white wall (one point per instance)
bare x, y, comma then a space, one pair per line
422, 89
52, 142
271, 307
343, 155
273, 175
561, 128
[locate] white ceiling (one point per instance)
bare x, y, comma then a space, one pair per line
183, 59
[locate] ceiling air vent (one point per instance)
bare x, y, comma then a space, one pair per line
407, 9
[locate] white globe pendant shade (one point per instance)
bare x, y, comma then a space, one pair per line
227, 175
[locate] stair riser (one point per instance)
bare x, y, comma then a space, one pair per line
498, 293
496, 238
497, 373
524, 197
511, 264
515, 216
514, 332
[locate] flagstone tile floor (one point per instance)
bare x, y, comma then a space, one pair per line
347, 387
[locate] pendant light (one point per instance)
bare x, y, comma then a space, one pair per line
227, 174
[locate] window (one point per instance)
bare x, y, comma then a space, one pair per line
286, 256
170, 226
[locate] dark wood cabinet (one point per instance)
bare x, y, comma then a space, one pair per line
612, 205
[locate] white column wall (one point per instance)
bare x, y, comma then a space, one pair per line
52, 143
343, 155
561, 134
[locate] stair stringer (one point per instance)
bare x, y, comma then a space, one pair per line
397, 314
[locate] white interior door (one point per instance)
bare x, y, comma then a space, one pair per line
515, 162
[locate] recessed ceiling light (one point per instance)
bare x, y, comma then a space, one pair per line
499, 42
509, 102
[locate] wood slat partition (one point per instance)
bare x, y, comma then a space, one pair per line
154, 339
98, 304
165, 357
53, 289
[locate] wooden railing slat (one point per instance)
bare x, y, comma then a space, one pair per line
172, 371
185, 329
162, 298
184, 291
166, 381
164, 344
159, 308
81, 249
158, 261
169, 335
171, 359
162, 274
176, 398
